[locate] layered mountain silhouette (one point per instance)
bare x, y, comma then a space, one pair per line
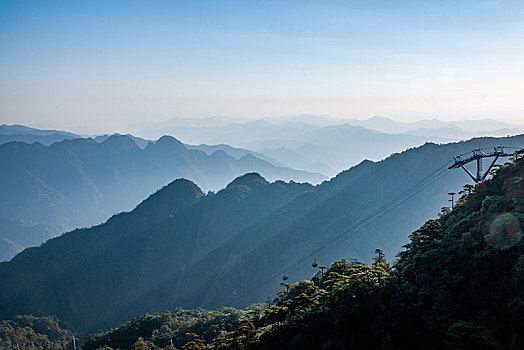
9, 133
323, 144
339, 147
234, 152
181, 247
81, 182
304, 146
140, 142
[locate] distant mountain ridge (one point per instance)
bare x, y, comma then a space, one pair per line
9, 133
181, 247
25, 130
26, 134
340, 147
459, 129
304, 142
307, 142
140, 142
234, 152
325, 149
81, 182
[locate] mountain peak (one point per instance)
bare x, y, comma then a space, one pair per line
249, 179
120, 141
221, 155
378, 118
168, 141
174, 197
250, 157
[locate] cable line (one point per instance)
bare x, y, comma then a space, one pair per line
424, 183
385, 209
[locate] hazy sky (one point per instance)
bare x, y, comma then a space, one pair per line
106, 63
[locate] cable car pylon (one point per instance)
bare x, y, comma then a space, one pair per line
477, 155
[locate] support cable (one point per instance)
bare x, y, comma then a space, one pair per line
377, 214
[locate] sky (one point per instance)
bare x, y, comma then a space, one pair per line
105, 64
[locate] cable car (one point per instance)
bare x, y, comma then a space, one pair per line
315, 263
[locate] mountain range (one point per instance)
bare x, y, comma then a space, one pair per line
311, 143
321, 143
26, 134
469, 128
326, 149
82, 182
457, 284
181, 247
466, 128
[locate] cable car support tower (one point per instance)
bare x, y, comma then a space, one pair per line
477, 155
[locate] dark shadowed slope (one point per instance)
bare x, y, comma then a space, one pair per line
370, 205
99, 276
458, 284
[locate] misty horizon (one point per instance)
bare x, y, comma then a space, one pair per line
485, 125
105, 65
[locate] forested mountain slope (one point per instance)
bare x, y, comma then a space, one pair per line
183, 248
80, 182
458, 284
98, 276
370, 205
29, 332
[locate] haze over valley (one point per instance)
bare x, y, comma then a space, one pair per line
55, 180
310, 143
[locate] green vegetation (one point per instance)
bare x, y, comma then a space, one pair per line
459, 284
31, 333
169, 329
